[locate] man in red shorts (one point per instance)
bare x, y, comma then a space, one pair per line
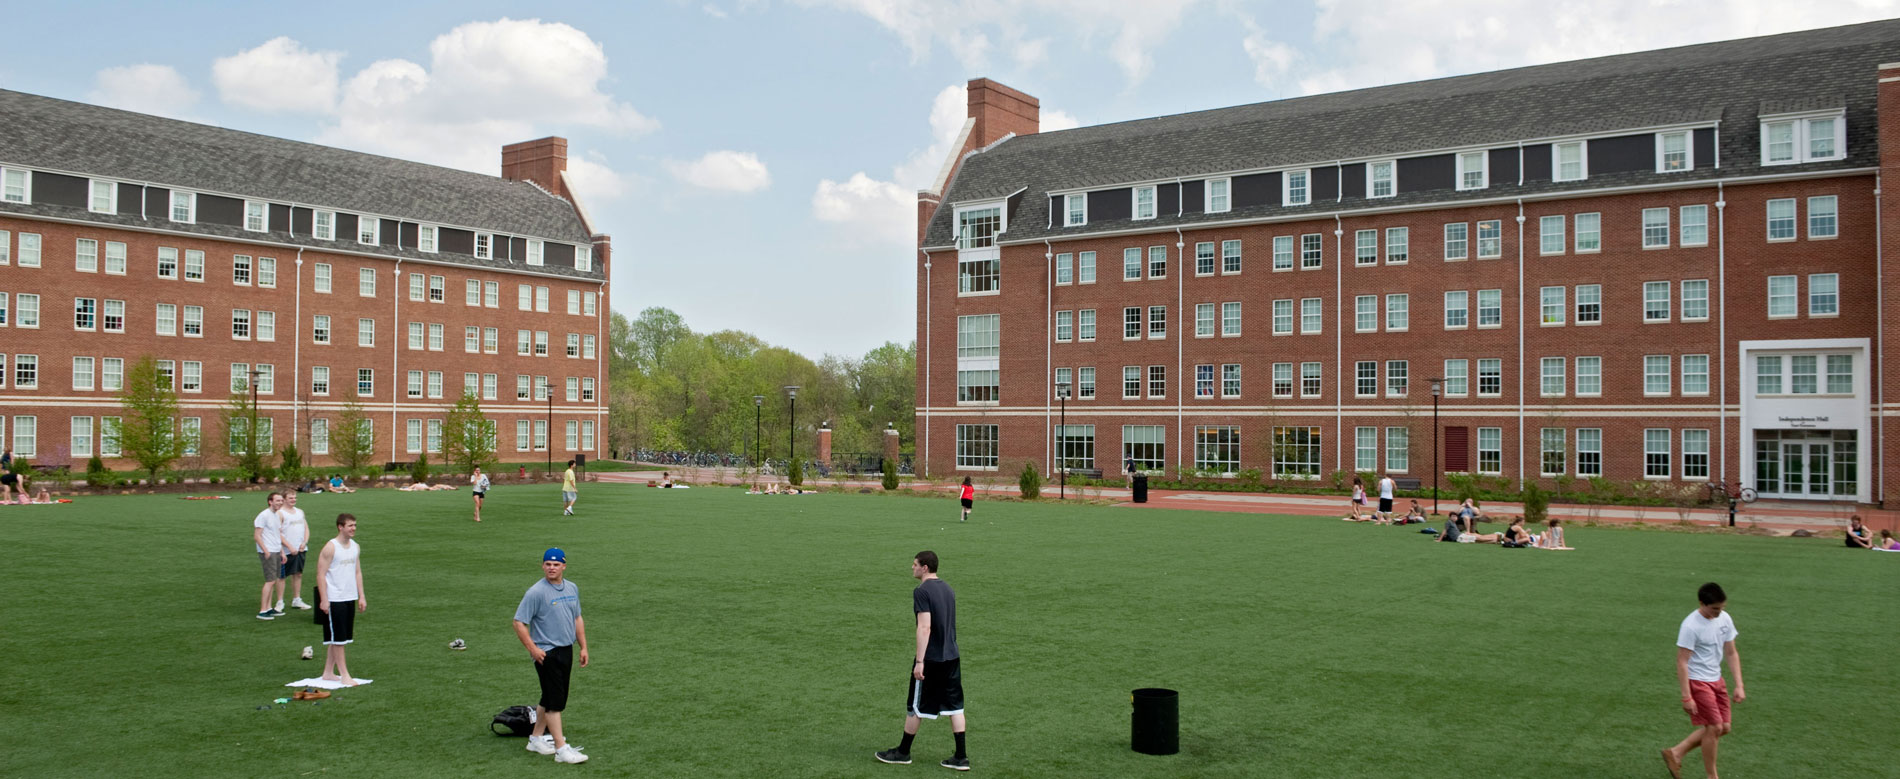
1707, 635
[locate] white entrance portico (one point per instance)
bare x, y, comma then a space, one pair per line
1805, 418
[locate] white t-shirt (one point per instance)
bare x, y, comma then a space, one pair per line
273, 527
1704, 638
339, 582
296, 532
1385, 488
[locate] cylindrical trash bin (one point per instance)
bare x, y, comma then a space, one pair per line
1156, 727
1140, 483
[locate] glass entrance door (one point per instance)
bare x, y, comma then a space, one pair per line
1805, 468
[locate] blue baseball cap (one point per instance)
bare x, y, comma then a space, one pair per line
554, 553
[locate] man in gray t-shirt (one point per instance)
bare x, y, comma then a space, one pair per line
936, 687
548, 622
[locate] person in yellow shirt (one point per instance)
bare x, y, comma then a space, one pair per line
568, 493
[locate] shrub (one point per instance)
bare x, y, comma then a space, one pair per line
292, 467
419, 470
97, 475
1464, 486
796, 474
1536, 504
1030, 482
890, 474
1340, 480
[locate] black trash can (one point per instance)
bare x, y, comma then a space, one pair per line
1140, 483
1156, 727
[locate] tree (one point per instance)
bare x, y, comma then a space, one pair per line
248, 445
353, 442
148, 431
468, 436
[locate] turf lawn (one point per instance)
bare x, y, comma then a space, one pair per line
736, 635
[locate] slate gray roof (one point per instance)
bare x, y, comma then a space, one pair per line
1731, 81
43, 132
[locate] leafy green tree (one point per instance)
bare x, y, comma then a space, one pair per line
148, 430
468, 436
353, 441
247, 444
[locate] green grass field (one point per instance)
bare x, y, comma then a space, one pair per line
736, 635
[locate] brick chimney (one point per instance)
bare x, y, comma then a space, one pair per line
824, 444
999, 111
540, 161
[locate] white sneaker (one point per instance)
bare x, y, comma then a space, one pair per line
309, 653
279, 608
541, 745
297, 603
569, 754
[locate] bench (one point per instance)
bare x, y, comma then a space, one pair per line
1082, 473
1408, 483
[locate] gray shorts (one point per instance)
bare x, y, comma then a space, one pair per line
273, 563
569, 496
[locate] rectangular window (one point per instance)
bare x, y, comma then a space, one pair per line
1781, 296
365, 282
415, 436
82, 436
1076, 210
1656, 301
1085, 383
1310, 316
1589, 232
1146, 445
368, 230
415, 384
1157, 381
1065, 327
1145, 202
1397, 245
256, 216
1490, 378
491, 341
1365, 249
1283, 316
1695, 225
1551, 451
536, 252
484, 246
472, 293
418, 287
194, 265
26, 310
365, 381
1310, 251
110, 443
1217, 448
1085, 268
489, 386
194, 321
1695, 374
1490, 450
1203, 381
1823, 217
1366, 314
1382, 178
1398, 312
1229, 257
976, 447
184, 206
435, 337
1065, 268
1283, 379
1695, 300
435, 384
1490, 239
1490, 308
82, 373
104, 198
491, 294
1781, 219
1398, 449
1471, 171
85, 313
1824, 297
1656, 454
241, 270
1131, 323
26, 371
1131, 381
86, 255
1365, 379
1567, 161
1673, 152
1840, 374
1455, 240
1131, 263
1397, 378
1551, 306
267, 274
29, 250
977, 227
1217, 200
1295, 189
1229, 319
1203, 320
1365, 449
1230, 380
111, 374
1296, 452
1590, 376
1551, 377
319, 380
1695, 454
1283, 252
1310, 385
115, 256
1157, 262
1802, 374
193, 377
1655, 228
1550, 234
1589, 304
438, 290
323, 225
240, 324
1656, 374
1457, 309
1204, 258
1085, 324
540, 343
425, 239
416, 336
319, 329
1767, 374
1589, 451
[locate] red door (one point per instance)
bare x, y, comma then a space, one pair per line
1457, 449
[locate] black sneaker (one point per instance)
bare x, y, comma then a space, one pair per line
958, 763
893, 756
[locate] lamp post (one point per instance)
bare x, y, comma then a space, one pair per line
548, 437
1062, 439
250, 443
791, 431
758, 427
1437, 386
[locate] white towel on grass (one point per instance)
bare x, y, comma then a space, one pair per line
326, 683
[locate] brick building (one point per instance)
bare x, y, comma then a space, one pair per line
321, 274
1660, 266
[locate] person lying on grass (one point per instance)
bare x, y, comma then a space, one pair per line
1452, 533
1887, 542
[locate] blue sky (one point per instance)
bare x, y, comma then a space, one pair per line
757, 160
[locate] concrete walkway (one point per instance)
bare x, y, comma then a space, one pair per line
1780, 516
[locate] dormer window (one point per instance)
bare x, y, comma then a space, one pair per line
1145, 202
256, 216
1382, 178
977, 227
1567, 161
534, 252
324, 225
1076, 210
1472, 173
1217, 200
105, 197
368, 230
1792, 140
184, 206
16, 186
484, 246
583, 258
1673, 152
1295, 188
425, 239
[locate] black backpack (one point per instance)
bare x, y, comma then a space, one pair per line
519, 721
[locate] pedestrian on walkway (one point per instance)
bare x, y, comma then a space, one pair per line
936, 678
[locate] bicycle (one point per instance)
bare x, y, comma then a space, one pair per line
1731, 495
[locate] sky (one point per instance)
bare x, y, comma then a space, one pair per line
757, 161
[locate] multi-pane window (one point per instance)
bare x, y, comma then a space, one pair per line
1230, 380
86, 255
1230, 319
1157, 262
366, 282
1656, 374
1781, 296
524, 342
535, 252
1217, 197
484, 246
1131, 322
1551, 306
1490, 308
1283, 316
1085, 383
184, 206
435, 384
1656, 454
1365, 449
1065, 268
1550, 461
1365, 378
194, 265
82, 373
1310, 384
1551, 377
1398, 449
266, 326
978, 347
1840, 374
1157, 322
267, 274
1695, 299
365, 381
1203, 381
1065, 325
977, 227
1456, 240
491, 341
1824, 298
1296, 452
1075, 209
1695, 225
240, 324
1283, 252
1655, 228
1229, 257
1365, 247
1781, 219
323, 226
1146, 445
425, 239
1790, 141
1283, 379
1695, 454
1803, 374
26, 371
1310, 316
1397, 378
111, 373
1397, 245
1131, 263
1490, 377
1204, 258
193, 377
368, 230
540, 343
415, 384
104, 198
416, 336
320, 329
1398, 311
85, 313
1656, 301
1085, 324
1673, 152
115, 256
1296, 188
1589, 304
1131, 381
541, 299
1085, 268
1311, 247
1382, 178
1567, 162
1457, 309
1366, 313
241, 270
1695, 374
1823, 217
1490, 239
1490, 450
1145, 202
1157, 381
1589, 451
319, 380
1589, 376
365, 332
472, 293
491, 294
1589, 232
1217, 448
1203, 320
1767, 374
1471, 171
1550, 234
435, 337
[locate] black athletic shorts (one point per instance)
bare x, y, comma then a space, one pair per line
339, 622
968, 503
1385, 505
553, 671
938, 694
293, 565
10, 479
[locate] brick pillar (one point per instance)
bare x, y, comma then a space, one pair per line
893, 451
927, 203
541, 161
999, 111
824, 444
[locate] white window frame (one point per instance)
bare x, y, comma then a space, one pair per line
1075, 209
1583, 160
111, 198
370, 226
484, 246
260, 211
1833, 214
191, 207
1815, 309
1800, 135
426, 238
1463, 168
1226, 198
1154, 200
1545, 234
1302, 195
1688, 151
323, 225
1373, 180
1683, 237
537, 253
25, 180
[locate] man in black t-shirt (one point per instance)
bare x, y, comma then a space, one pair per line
936, 681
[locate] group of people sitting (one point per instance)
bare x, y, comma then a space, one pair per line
426, 487
1859, 536
1460, 529
1411, 516
773, 488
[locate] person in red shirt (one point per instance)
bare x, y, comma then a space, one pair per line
969, 497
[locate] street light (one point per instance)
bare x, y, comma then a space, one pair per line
791, 431
250, 445
1437, 385
548, 438
758, 443
1062, 440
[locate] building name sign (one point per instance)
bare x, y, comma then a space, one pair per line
1802, 422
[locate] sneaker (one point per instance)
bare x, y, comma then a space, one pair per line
266, 615
309, 653
279, 608
893, 756
569, 754
541, 745
956, 763
299, 604
277, 612
458, 644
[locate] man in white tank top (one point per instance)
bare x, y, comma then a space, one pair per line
340, 596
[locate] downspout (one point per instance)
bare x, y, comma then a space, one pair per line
1048, 351
1521, 378
923, 462
1880, 357
1180, 199
395, 358
1718, 146
1520, 205
1339, 345
1339, 181
296, 358
1180, 342
1721, 329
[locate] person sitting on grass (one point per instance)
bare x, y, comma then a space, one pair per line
336, 484
1414, 515
1515, 536
1553, 535
1468, 513
1887, 542
1858, 535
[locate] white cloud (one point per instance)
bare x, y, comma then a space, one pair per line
714, 11
148, 89
947, 112
726, 171
279, 75
1271, 59
592, 180
1053, 120
873, 213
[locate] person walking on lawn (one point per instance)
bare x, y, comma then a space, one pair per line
1706, 637
548, 622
